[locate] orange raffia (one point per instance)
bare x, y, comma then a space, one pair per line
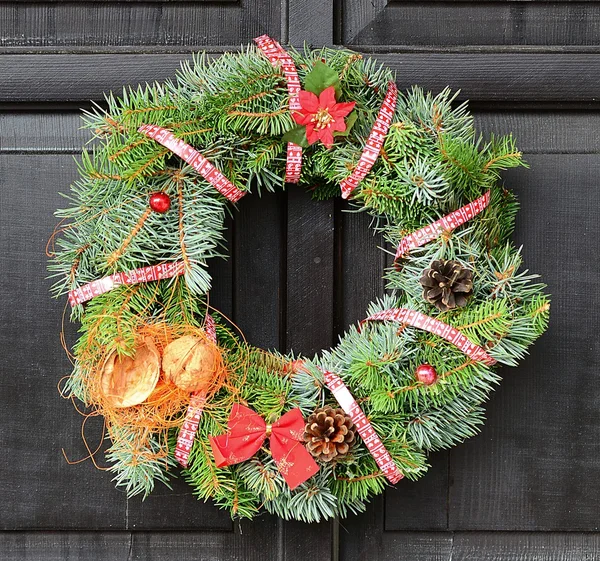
134, 428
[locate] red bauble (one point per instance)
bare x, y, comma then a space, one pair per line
160, 202
426, 374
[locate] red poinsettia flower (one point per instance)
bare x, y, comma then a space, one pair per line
322, 115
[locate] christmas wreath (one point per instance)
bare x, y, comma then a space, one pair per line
304, 438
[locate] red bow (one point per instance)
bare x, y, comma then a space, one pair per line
246, 433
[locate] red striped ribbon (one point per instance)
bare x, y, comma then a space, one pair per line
363, 426
278, 56
437, 327
195, 159
444, 224
187, 432
374, 142
145, 274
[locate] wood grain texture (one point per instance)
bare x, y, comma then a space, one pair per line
470, 546
485, 77
147, 546
536, 460
41, 132
136, 24
310, 265
547, 132
395, 546
470, 23
38, 488
310, 21
309, 327
259, 262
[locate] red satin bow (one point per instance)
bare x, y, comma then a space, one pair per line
246, 433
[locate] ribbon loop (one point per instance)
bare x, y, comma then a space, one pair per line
135, 276
278, 56
445, 224
192, 157
437, 327
246, 432
374, 142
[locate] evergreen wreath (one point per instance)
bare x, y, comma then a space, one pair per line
143, 224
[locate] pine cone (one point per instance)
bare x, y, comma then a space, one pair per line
447, 285
329, 433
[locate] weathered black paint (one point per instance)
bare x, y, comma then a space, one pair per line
300, 272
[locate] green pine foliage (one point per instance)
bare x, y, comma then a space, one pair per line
233, 109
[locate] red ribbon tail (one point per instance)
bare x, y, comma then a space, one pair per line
293, 461
218, 444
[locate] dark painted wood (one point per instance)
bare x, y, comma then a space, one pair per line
395, 546
310, 21
310, 254
536, 461
537, 131
470, 546
63, 25
37, 487
302, 271
421, 504
259, 257
452, 23
489, 77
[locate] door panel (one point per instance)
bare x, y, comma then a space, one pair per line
134, 25
300, 272
473, 22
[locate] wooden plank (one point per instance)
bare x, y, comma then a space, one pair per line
363, 263
552, 77
475, 546
38, 488
547, 132
309, 320
536, 462
471, 23
526, 546
362, 538
58, 546
145, 546
395, 546
356, 15
41, 132
421, 504
259, 254
310, 265
311, 21
110, 24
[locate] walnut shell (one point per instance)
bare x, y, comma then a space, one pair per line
128, 381
190, 363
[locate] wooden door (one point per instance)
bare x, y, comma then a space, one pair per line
300, 272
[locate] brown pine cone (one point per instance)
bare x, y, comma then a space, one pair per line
329, 433
447, 285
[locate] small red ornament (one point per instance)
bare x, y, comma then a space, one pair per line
160, 202
426, 374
